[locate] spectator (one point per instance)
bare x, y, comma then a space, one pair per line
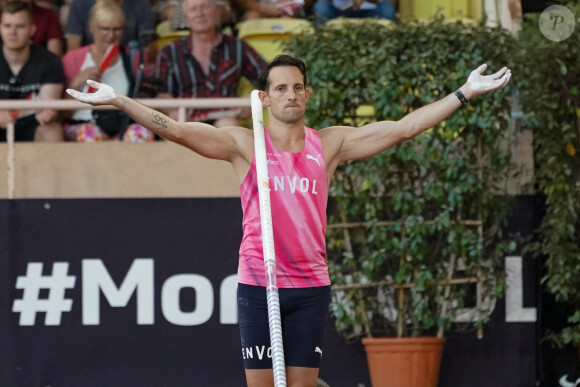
227, 15
163, 9
257, 9
48, 33
325, 10
48, 4
63, 12
102, 60
206, 64
27, 72
138, 16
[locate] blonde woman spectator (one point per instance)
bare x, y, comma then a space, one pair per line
104, 60
138, 21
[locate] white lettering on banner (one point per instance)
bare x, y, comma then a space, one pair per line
55, 305
203, 299
514, 295
228, 298
139, 278
514, 310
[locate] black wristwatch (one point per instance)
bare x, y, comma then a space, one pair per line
461, 97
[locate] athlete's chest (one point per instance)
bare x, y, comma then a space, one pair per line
296, 173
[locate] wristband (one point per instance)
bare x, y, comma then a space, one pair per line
464, 101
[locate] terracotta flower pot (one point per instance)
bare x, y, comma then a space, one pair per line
404, 362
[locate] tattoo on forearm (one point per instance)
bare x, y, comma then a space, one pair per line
159, 119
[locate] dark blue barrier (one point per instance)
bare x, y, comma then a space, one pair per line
143, 294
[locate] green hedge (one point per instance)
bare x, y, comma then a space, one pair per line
549, 94
426, 186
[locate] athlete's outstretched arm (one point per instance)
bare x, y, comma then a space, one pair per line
376, 137
222, 144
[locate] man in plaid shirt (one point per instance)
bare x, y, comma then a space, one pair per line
206, 64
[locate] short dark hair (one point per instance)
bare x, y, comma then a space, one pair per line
280, 60
15, 6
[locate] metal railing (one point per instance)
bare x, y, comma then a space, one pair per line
68, 104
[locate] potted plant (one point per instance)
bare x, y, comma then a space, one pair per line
550, 95
415, 233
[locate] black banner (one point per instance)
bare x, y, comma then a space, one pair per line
141, 292
123, 293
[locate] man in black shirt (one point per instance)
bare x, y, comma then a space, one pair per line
27, 72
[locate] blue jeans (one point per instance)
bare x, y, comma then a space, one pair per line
324, 10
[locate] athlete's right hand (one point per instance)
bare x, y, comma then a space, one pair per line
103, 95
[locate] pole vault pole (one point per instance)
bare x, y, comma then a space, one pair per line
274, 319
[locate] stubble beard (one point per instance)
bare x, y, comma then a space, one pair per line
291, 117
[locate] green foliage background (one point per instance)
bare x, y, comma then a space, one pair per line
549, 94
425, 186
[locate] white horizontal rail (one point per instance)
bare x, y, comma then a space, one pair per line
69, 104
178, 103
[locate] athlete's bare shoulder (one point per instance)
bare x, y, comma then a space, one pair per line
333, 136
335, 130
243, 139
332, 139
238, 131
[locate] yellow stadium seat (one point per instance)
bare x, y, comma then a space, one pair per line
450, 9
245, 88
476, 9
339, 22
163, 28
265, 35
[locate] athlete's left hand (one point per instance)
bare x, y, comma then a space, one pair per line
478, 84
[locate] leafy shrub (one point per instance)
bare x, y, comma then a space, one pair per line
549, 94
424, 218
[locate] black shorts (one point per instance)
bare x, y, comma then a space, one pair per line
304, 312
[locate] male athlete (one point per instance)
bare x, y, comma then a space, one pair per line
301, 162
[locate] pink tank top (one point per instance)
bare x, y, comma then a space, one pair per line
298, 196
